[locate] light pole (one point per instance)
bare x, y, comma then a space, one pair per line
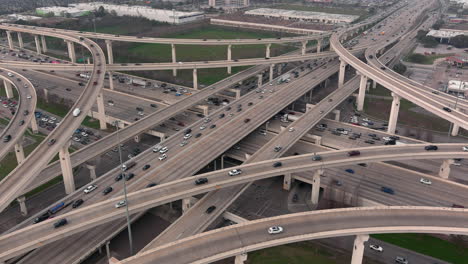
130, 239
454, 108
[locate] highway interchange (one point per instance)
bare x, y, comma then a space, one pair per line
184, 161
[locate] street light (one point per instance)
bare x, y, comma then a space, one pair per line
130, 239
455, 108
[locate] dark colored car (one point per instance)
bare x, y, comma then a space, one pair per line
198, 135
387, 190
354, 153
51, 142
188, 131
151, 185
201, 181
246, 120
431, 147
60, 223
107, 190
21, 122
77, 203
41, 218
210, 209
222, 115
129, 176
212, 126
6, 138
447, 109
277, 164
147, 166
119, 177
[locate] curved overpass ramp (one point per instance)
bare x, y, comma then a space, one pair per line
28, 238
237, 239
19, 123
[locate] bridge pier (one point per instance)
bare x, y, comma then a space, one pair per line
319, 45
240, 259
358, 249
316, 186
8, 89
374, 84
337, 113
110, 54
101, 111
195, 79
455, 128
444, 171
44, 44
272, 67
111, 81
137, 138
187, 203
71, 51
341, 73
108, 250
67, 170
34, 127
38, 44
20, 40
362, 93
174, 59
392, 122
10, 40
304, 47
229, 58
287, 180
205, 109
259, 80
267, 54
19, 152
22, 203
92, 171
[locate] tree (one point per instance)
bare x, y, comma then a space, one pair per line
417, 58
437, 25
399, 68
113, 13
100, 12
50, 14
460, 41
429, 42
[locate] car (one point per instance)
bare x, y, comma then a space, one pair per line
119, 177
153, 105
354, 153
60, 223
41, 218
187, 136
90, 188
235, 172
28, 96
425, 181
198, 135
151, 185
362, 164
291, 129
376, 248
202, 127
129, 176
277, 148
7, 138
275, 230
107, 190
156, 148
162, 157
210, 209
431, 147
222, 115
163, 150
21, 122
246, 120
120, 204
26, 112
183, 143
147, 166
317, 158
387, 190
77, 203
212, 126
349, 171
447, 109
277, 164
201, 181
401, 260
51, 142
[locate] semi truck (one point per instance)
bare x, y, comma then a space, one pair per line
128, 165
138, 82
57, 208
284, 78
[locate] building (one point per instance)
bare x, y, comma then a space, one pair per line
228, 4
169, 16
302, 15
457, 87
444, 36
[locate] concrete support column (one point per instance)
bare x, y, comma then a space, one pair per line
19, 152
319, 45
71, 51
341, 73
101, 111
34, 127
174, 59
67, 170
195, 79
110, 54
187, 203
444, 171
8, 89
362, 93
287, 180
259, 80
46, 94
108, 250
358, 249
240, 259
392, 121
337, 114
272, 67
44, 44
137, 139
111, 81
304, 47
92, 171
229, 58
374, 85
267, 54
20, 40
10, 40
38, 44
22, 202
455, 127
316, 186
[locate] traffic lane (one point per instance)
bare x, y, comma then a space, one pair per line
236, 237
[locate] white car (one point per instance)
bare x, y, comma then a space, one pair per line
156, 148
29, 97
183, 143
235, 172
120, 204
275, 230
376, 248
386, 138
53, 118
187, 136
365, 124
202, 127
141, 113
90, 188
291, 129
366, 119
163, 157
465, 148
163, 150
425, 181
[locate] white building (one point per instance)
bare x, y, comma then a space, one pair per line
302, 15
62, 11
456, 86
169, 16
